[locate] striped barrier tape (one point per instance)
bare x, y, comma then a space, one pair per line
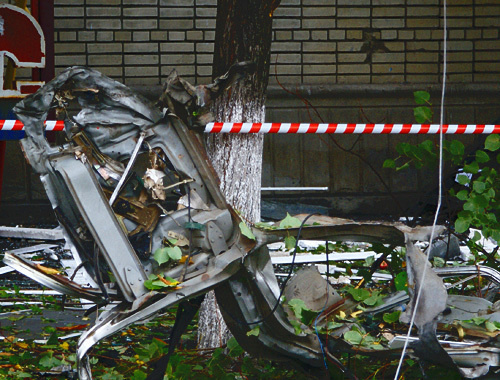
350, 128
16, 125
53, 125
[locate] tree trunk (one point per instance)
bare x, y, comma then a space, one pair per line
243, 33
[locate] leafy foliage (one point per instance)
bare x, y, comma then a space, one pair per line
302, 312
478, 182
131, 355
166, 254
365, 296
157, 282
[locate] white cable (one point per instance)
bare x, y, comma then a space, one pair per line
440, 193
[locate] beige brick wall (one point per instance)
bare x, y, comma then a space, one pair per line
322, 48
314, 41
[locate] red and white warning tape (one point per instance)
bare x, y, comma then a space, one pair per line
52, 125
16, 125
350, 128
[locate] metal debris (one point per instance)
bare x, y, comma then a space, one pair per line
178, 229
31, 233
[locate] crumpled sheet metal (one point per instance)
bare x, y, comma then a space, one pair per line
431, 304
433, 293
114, 103
309, 286
240, 271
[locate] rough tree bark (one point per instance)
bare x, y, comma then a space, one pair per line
243, 33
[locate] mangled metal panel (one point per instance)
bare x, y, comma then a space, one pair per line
161, 226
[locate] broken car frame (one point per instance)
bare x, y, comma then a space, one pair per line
116, 216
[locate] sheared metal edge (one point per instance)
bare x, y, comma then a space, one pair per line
431, 304
55, 282
25, 250
31, 233
151, 303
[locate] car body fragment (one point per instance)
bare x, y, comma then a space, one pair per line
168, 222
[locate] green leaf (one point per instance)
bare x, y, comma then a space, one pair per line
472, 168
476, 237
53, 340
400, 281
254, 332
463, 179
495, 234
290, 242
478, 321
353, 337
421, 97
482, 156
246, 231
373, 300
479, 186
427, 145
463, 195
461, 225
234, 348
49, 361
480, 201
161, 255
403, 148
490, 326
492, 143
296, 326
369, 261
334, 325
24, 375
165, 254
389, 163
154, 283
457, 148
439, 262
297, 305
491, 217
358, 294
391, 317
301, 311
174, 253
290, 222
410, 362
423, 114
139, 375
469, 206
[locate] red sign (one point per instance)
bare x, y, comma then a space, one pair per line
21, 39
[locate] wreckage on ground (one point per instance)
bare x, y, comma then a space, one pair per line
136, 198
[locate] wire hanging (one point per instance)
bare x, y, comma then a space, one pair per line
440, 192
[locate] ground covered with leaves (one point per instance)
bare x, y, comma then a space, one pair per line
47, 351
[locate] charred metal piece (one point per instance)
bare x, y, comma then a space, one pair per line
79, 177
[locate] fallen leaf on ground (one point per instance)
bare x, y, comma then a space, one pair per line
72, 328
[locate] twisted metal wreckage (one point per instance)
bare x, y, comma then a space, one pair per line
121, 214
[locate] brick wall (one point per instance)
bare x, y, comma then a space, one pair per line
355, 60
314, 41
